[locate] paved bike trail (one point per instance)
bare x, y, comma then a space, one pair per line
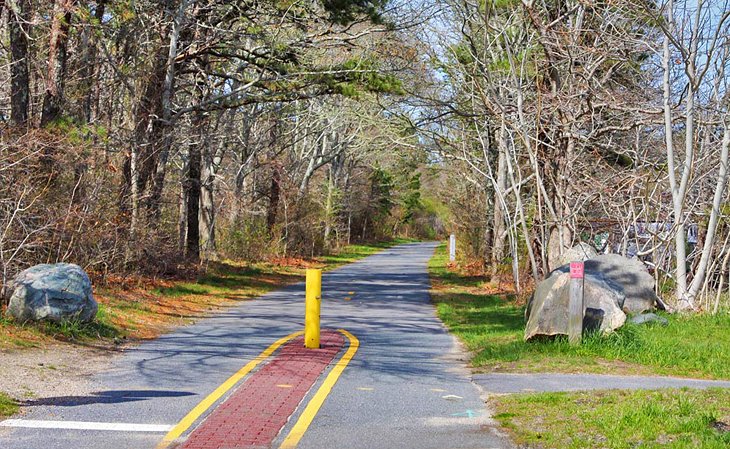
406, 386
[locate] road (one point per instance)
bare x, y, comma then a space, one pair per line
405, 387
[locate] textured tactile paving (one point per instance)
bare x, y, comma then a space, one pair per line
255, 413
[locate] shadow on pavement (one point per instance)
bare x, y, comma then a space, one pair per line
104, 397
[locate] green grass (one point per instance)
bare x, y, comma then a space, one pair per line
492, 328
73, 330
8, 407
182, 289
618, 419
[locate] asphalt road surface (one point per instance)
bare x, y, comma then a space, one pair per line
406, 386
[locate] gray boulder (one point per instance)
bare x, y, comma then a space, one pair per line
630, 275
54, 292
580, 252
613, 287
547, 311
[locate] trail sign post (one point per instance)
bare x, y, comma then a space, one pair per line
452, 248
576, 308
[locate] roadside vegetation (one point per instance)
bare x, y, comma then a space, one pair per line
618, 419
491, 323
137, 308
8, 406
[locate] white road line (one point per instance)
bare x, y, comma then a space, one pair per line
79, 425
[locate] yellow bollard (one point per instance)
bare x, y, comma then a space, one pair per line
311, 308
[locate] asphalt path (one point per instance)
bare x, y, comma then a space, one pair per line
406, 387
551, 382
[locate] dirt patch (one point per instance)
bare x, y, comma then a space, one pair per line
53, 370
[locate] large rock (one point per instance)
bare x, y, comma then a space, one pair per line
547, 311
630, 275
54, 292
613, 287
580, 252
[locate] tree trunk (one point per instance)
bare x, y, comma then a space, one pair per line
274, 194
19, 24
164, 143
134, 189
328, 207
57, 61
182, 219
88, 67
192, 187
207, 204
143, 156
498, 224
715, 215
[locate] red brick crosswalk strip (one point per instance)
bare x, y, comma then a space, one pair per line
255, 413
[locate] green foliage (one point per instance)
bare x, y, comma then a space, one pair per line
8, 407
499, 5
75, 330
345, 11
411, 199
245, 239
381, 195
122, 12
364, 75
493, 326
76, 133
436, 207
182, 289
462, 54
618, 419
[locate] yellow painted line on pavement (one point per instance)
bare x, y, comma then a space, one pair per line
301, 426
211, 399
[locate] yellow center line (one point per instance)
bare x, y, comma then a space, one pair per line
211, 399
301, 426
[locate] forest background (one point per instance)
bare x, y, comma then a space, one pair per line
151, 137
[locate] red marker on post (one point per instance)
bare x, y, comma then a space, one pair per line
576, 270
576, 309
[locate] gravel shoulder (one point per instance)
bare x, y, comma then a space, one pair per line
54, 370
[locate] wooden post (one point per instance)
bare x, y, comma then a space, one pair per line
452, 248
576, 308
